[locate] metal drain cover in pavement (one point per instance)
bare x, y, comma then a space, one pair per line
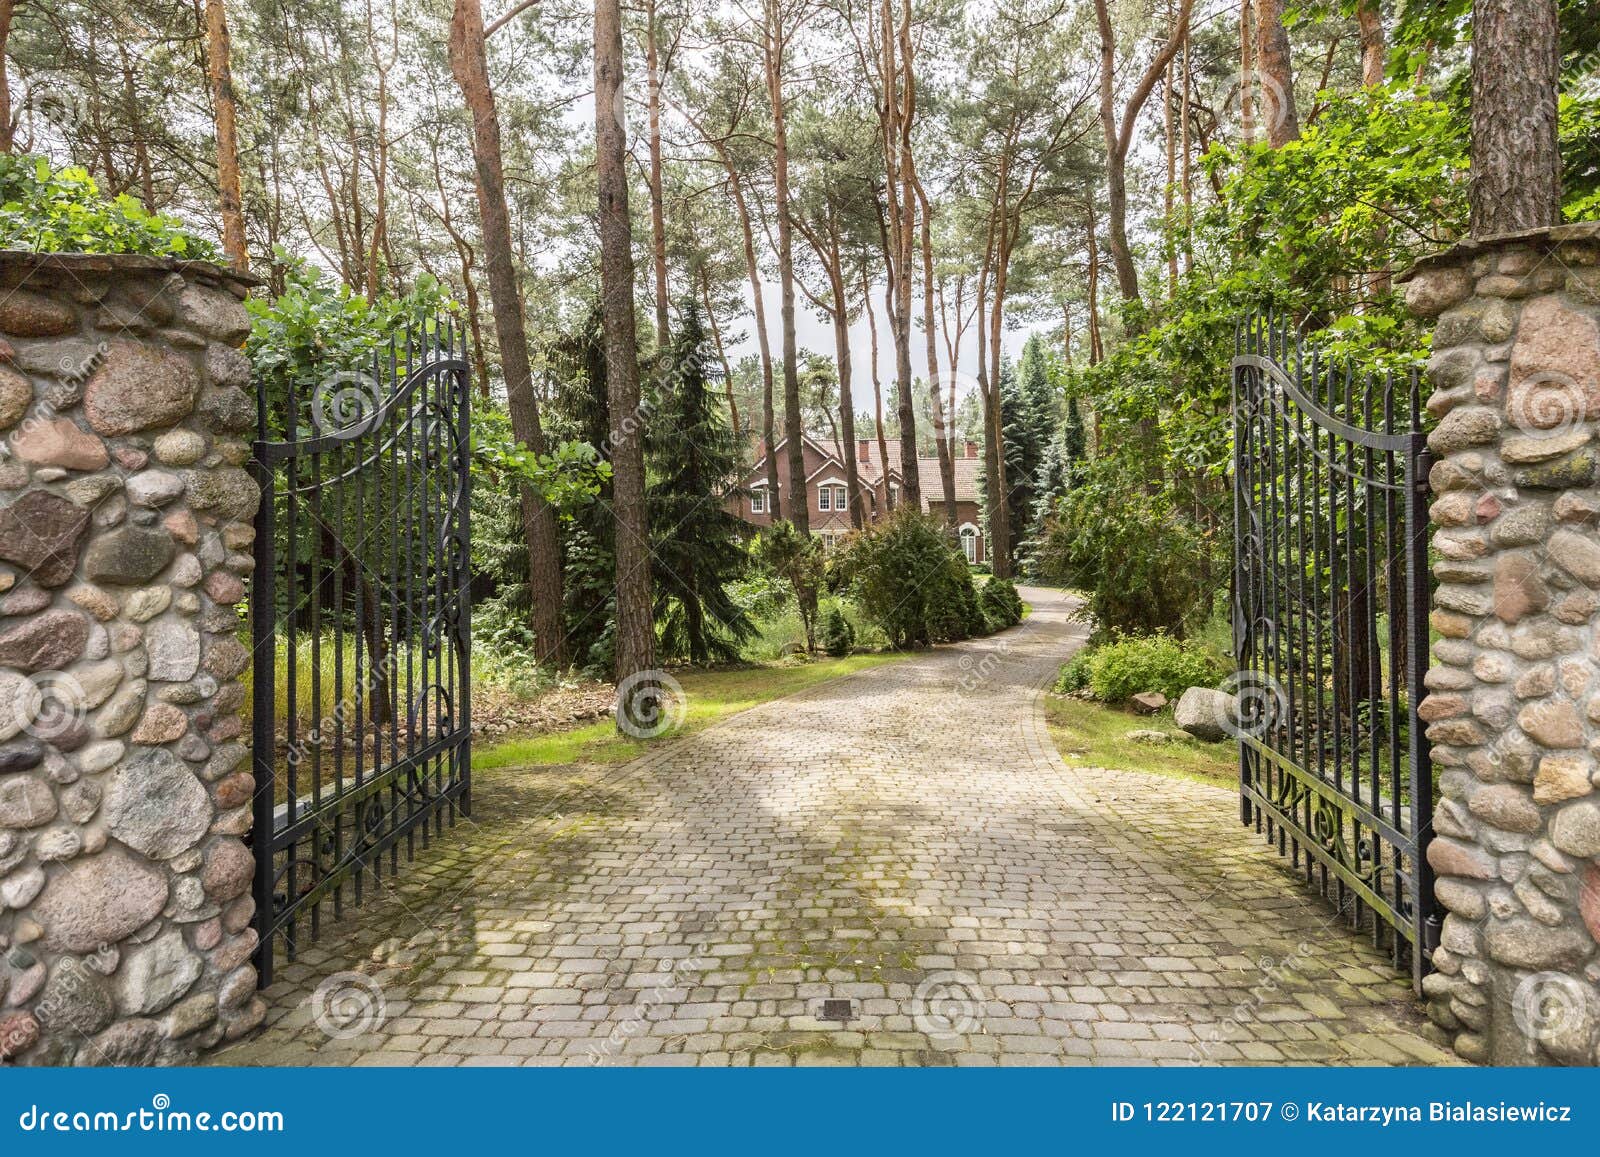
839, 1010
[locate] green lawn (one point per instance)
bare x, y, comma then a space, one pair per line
1094, 735
711, 695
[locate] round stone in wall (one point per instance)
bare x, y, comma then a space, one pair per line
98, 900
155, 805
174, 648
76, 999
128, 556
156, 974
137, 387
41, 532
16, 394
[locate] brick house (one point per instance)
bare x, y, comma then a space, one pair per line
828, 503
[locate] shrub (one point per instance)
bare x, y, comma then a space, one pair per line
63, 211
1144, 565
797, 559
1074, 674
909, 579
1118, 670
1000, 604
836, 635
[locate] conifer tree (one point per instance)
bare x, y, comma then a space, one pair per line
692, 455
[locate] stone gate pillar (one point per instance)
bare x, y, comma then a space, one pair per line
1513, 705
125, 534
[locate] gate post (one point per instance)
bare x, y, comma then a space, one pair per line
125, 535
1513, 709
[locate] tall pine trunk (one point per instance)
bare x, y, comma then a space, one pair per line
470, 66
658, 217
943, 441
635, 622
1276, 74
1370, 21
1119, 138
757, 296
722, 353
219, 70
793, 421
1516, 161
841, 358
877, 386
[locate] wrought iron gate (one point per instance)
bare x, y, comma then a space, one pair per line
1330, 620
360, 618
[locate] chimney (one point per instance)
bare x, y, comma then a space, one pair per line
864, 451
972, 448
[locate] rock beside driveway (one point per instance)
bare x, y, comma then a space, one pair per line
1149, 702
1205, 713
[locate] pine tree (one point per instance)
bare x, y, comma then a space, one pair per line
691, 455
581, 413
1075, 444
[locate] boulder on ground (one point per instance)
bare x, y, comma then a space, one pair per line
1149, 702
1147, 735
1206, 713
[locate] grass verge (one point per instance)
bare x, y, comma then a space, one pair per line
1095, 735
711, 695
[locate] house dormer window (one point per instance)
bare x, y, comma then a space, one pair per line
758, 501
831, 496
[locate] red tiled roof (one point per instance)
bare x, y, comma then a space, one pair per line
871, 469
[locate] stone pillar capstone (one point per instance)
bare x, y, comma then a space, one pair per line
125, 537
1513, 703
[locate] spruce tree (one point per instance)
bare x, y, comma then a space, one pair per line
581, 412
692, 457
1075, 444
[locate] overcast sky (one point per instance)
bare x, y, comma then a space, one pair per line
817, 336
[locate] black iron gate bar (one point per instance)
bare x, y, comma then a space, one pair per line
362, 566
1331, 599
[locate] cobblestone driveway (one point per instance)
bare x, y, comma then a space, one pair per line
905, 839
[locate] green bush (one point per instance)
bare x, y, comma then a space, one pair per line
1118, 670
47, 210
1074, 674
1000, 604
836, 636
909, 579
798, 560
1144, 565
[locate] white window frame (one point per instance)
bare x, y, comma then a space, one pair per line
838, 500
758, 500
968, 534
